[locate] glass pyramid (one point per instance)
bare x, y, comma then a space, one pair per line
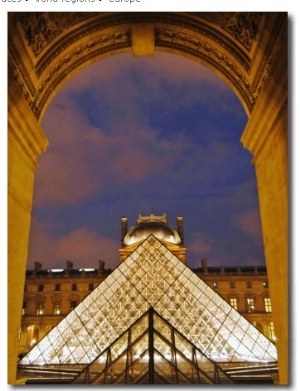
152, 277
151, 351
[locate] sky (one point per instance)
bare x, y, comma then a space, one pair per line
139, 135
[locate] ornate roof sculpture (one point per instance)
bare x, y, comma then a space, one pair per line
153, 277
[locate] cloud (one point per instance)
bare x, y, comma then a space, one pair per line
249, 223
82, 158
199, 243
155, 69
83, 246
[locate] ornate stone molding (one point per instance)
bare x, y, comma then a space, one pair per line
199, 34
242, 26
17, 72
273, 52
41, 28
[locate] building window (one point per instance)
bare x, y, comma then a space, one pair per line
215, 284
24, 308
233, 302
74, 287
33, 334
250, 304
57, 287
232, 284
41, 288
272, 331
73, 304
268, 306
91, 286
56, 308
265, 284
40, 309
249, 284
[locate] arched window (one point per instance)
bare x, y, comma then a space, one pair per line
56, 308
267, 303
233, 302
40, 310
272, 331
250, 304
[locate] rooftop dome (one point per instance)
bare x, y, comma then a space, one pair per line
151, 225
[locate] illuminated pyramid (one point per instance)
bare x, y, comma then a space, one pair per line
151, 351
151, 276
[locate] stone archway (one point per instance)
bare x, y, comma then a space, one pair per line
248, 50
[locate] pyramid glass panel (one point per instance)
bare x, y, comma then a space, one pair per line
151, 356
152, 276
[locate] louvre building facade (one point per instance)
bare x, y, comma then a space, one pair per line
152, 320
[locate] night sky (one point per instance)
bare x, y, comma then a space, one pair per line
133, 136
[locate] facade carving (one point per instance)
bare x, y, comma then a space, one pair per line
243, 26
41, 28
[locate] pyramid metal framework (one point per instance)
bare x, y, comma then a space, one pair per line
152, 277
151, 351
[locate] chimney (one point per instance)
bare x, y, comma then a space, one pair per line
101, 266
180, 229
37, 266
123, 228
69, 266
204, 264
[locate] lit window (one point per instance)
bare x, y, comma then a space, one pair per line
40, 309
249, 284
74, 287
56, 308
215, 284
272, 331
41, 288
24, 308
250, 304
232, 284
233, 302
73, 304
265, 284
268, 306
57, 287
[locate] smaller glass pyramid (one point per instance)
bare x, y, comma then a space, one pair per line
152, 277
151, 351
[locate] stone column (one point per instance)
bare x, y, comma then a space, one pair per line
26, 142
266, 137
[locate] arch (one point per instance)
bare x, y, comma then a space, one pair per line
248, 50
59, 44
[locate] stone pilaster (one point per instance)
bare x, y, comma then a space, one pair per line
266, 137
26, 142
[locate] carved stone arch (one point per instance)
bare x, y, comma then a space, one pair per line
248, 50
58, 44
